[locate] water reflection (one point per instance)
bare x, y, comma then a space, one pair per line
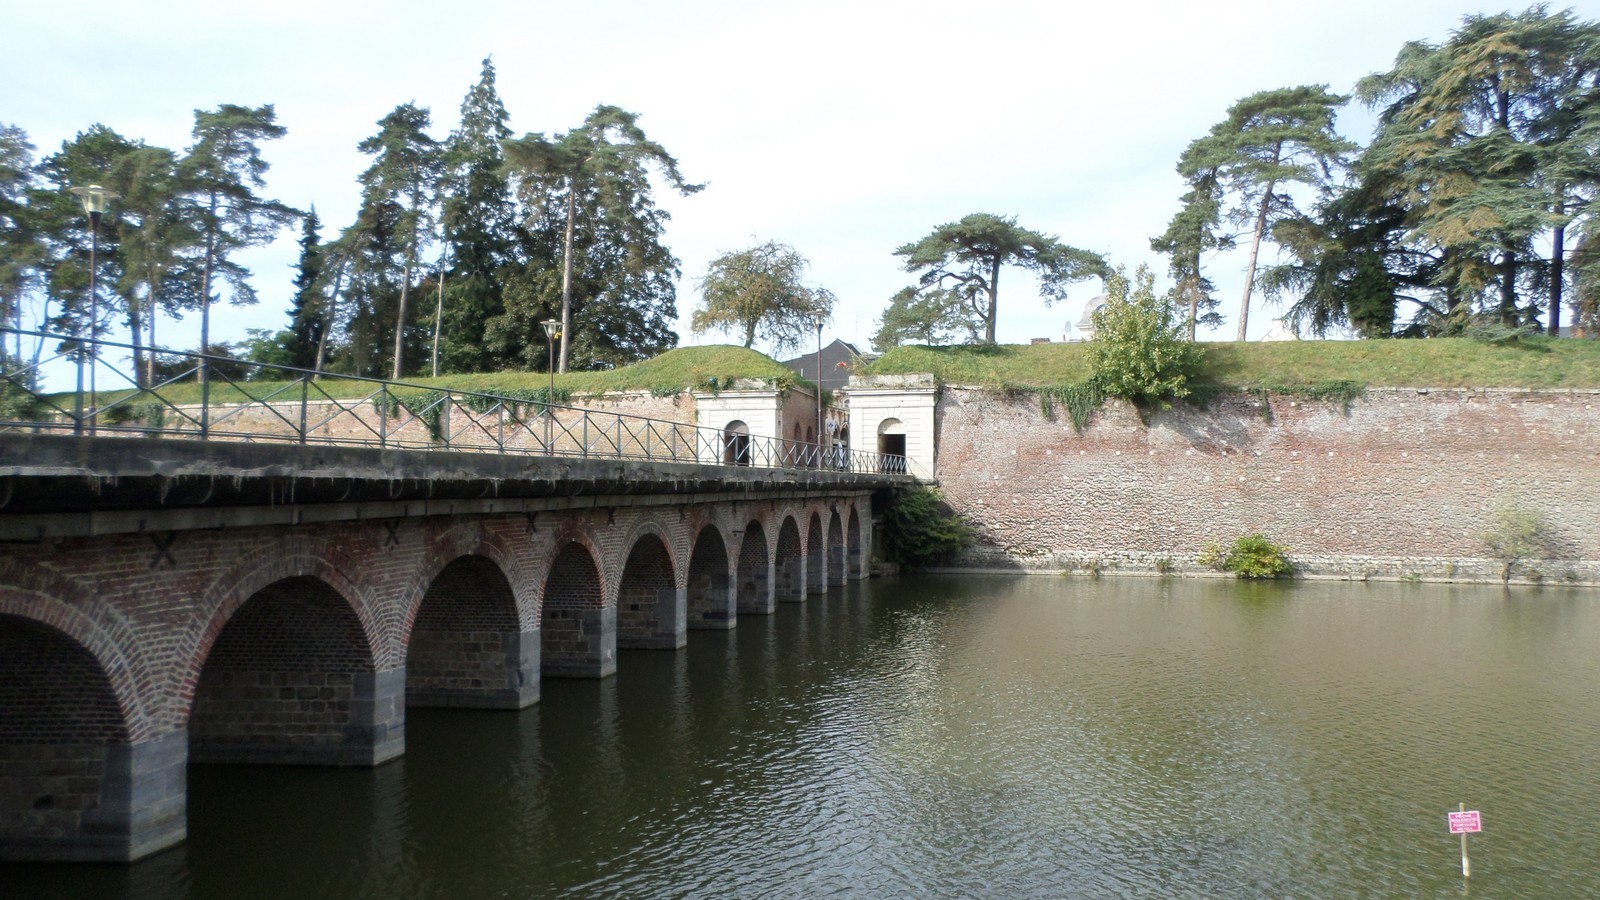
973, 736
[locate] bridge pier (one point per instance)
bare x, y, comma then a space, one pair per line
579, 643
113, 802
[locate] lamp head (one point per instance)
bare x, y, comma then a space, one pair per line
96, 199
552, 328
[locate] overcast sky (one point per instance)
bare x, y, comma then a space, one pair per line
842, 128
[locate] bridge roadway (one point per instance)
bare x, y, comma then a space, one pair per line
164, 602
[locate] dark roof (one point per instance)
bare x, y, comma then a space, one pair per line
837, 358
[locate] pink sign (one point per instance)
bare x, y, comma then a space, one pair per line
1462, 822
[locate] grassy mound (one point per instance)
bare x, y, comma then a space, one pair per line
1283, 365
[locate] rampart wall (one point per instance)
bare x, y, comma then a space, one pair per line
1401, 483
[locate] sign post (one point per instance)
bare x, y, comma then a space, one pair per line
1463, 822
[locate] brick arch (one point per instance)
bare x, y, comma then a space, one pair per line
709, 595
472, 539
71, 608
465, 644
650, 525
578, 630
788, 560
837, 571
646, 592
569, 532
263, 567
816, 542
291, 677
752, 575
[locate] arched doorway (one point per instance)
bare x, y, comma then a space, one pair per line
892, 446
736, 444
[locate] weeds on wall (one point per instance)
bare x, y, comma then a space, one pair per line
920, 529
1080, 399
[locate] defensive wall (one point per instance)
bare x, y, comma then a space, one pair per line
1397, 484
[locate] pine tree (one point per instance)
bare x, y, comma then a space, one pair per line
220, 177
307, 316
402, 184
480, 229
1269, 141
970, 253
618, 299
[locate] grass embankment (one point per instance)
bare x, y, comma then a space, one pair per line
686, 368
1286, 366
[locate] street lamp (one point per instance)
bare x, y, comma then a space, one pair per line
96, 200
819, 317
552, 327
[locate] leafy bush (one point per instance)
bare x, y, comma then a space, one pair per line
1138, 352
920, 529
1253, 556
1516, 533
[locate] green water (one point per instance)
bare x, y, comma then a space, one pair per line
971, 737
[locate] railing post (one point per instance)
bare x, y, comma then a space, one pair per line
383, 416
444, 419
586, 434
305, 392
500, 425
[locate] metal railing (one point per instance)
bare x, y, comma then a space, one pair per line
221, 399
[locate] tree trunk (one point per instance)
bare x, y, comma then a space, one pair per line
566, 272
1508, 287
994, 300
136, 338
150, 358
438, 316
1194, 297
1255, 244
400, 320
205, 288
1558, 252
328, 315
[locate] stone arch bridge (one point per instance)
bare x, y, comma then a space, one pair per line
165, 602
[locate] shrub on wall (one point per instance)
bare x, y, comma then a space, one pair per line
1138, 352
920, 529
1516, 533
1253, 556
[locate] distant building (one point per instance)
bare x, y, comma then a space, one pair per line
1086, 323
1280, 331
838, 358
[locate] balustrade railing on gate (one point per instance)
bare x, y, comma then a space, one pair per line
202, 397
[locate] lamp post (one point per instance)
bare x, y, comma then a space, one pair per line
552, 327
96, 200
820, 318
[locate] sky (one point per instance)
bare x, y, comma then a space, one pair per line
844, 129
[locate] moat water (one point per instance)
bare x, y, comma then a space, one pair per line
971, 736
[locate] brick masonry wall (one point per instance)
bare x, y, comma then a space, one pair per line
1399, 484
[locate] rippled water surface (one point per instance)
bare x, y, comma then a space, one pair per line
971, 736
